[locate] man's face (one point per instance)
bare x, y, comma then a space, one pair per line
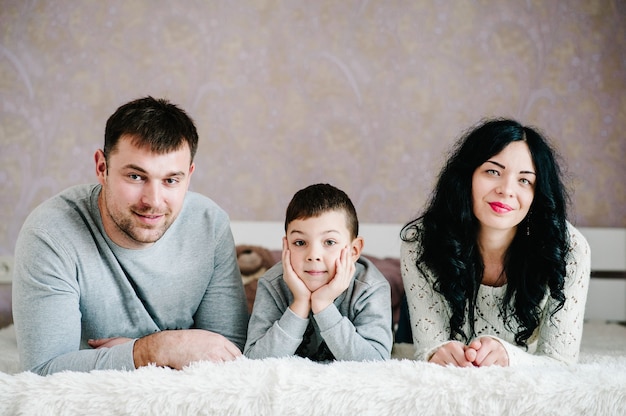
142, 192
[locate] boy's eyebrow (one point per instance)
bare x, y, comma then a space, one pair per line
501, 166
296, 231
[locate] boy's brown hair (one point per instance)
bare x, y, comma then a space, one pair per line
315, 200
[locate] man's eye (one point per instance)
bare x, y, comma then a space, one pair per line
134, 177
171, 181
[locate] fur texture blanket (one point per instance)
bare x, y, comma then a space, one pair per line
292, 386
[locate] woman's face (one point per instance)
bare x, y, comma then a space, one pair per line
503, 188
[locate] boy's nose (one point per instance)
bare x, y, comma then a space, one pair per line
312, 255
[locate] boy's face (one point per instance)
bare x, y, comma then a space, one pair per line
315, 244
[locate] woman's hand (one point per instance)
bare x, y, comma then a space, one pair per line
454, 353
489, 351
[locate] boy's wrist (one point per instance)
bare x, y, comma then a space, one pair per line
318, 305
300, 308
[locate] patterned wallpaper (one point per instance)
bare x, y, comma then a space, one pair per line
367, 95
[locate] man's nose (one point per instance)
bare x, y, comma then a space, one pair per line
151, 194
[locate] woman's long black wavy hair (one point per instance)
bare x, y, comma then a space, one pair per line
447, 232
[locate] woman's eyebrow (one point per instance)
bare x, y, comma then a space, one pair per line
501, 166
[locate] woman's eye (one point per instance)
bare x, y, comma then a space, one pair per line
493, 172
525, 181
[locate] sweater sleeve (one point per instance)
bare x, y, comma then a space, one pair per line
428, 310
368, 337
274, 330
560, 334
47, 313
226, 288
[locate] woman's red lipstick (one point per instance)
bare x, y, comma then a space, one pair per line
500, 208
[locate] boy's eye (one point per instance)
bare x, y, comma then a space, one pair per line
330, 242
298, 243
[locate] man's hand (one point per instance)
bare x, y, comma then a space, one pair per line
325, 295
178, 348
107, 342
301, 305
454, 353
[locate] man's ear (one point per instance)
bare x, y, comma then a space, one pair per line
101, 166
356, 247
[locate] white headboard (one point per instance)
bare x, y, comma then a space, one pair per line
608, 245
606, 299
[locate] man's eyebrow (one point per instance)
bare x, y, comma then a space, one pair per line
134, 167
501, 166
142, 170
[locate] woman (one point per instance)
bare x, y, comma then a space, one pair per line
493, 272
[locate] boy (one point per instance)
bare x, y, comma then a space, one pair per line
322, 301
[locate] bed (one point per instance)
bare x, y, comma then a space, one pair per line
596, 385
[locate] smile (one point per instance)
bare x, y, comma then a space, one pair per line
500, 208
149, 219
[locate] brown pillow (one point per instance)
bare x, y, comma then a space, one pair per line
390, 268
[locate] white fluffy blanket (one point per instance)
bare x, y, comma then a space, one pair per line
292, 386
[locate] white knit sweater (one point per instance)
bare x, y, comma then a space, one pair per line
557, 337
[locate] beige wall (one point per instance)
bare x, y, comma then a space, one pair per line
367, 95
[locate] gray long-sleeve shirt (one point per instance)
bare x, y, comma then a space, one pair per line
72, 283
357, 326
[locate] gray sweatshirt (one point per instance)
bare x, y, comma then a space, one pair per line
357, 326
72, 283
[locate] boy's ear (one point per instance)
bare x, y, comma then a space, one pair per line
356, 248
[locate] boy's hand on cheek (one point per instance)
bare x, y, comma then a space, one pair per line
301, 305
325, 295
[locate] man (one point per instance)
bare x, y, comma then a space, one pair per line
136, 269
